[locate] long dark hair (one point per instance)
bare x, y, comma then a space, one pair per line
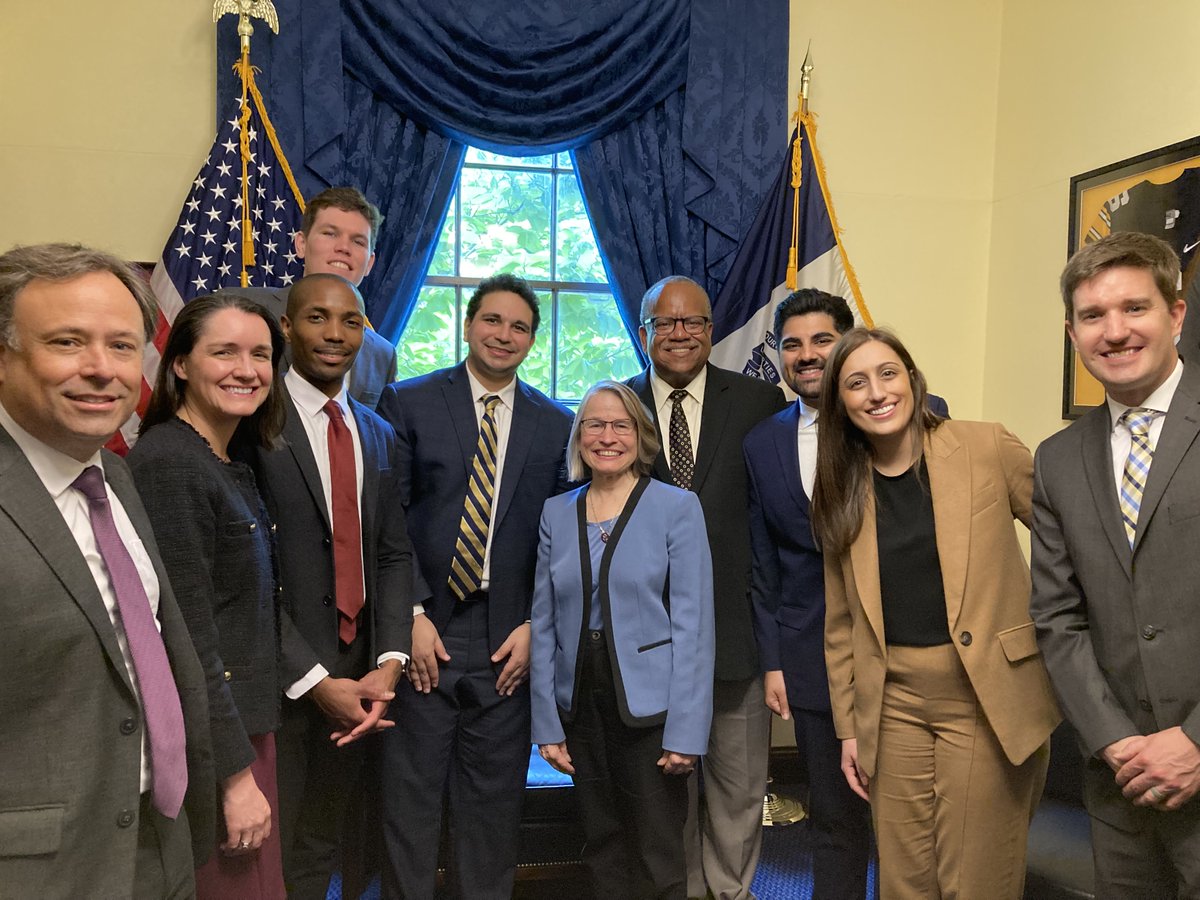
261, 427
844, 452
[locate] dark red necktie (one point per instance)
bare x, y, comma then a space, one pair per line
347, 531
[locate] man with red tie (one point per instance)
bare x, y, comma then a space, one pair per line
346, 569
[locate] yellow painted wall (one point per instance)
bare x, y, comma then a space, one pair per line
950, 131
106, 113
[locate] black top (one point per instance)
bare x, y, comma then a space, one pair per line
910, 573
215, 539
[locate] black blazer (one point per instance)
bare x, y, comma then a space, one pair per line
435, 421
304, 541
215, 538
733, 404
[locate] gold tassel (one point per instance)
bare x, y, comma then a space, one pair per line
243, 69
794, 250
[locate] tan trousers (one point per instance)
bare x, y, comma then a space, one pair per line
951, 813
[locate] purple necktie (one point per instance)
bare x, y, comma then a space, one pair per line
156, 683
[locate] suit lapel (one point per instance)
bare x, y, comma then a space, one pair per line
713, 415
1096, 449
641, 386
948, 465
306, 462
864, 560
372, 454
460, 405
784, 431
25, 500
1178, 434
522, 431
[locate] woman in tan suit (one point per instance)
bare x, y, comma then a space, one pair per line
939, 695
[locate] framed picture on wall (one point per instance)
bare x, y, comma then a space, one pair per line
1155, 193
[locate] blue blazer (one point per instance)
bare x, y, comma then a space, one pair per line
787, 582
437, 431
656, 595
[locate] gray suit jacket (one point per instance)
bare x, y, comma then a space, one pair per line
375, 367
70, 728
1119, 629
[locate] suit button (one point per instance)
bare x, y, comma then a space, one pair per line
228, 675
128, 726
279, 591
965, 639
253, 527
1149, 632
274, 528
327, 600
1145, 704
125, 818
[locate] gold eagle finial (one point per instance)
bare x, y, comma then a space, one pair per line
245, 10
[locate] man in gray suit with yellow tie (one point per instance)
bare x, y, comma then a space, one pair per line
1115, 568
105, 757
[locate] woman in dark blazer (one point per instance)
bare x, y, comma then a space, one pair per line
938, 692
622, 647
215, 398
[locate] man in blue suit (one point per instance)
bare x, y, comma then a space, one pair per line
787, 587
479, 454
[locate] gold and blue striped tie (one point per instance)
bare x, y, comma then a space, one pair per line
1137, 465
466, 568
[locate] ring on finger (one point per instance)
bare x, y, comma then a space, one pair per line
244, 845
1156, 795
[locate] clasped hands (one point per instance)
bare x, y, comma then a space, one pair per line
356, 707
1159, 770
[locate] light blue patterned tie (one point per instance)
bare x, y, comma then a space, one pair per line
1137, 465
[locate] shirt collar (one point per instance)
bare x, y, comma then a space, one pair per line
808, 414
56, 469
662, 390
507, 394
1159, 399
308, 399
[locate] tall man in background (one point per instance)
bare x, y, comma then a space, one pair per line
788, 589
103, 709
337, 237
480, 452
1115, 570
703, 414
346, 568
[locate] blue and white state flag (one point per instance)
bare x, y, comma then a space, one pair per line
205, 249
744, 310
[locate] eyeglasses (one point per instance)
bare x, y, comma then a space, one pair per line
623, 427
666, 324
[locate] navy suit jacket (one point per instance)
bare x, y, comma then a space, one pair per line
295, 499
437, 431
733, 404
655, 583
787, 585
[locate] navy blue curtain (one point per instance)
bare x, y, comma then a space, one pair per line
676, 108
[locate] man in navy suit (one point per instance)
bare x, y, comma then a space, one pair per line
465, 729
787, 587
703, 414
339, 664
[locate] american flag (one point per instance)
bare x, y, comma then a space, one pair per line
204, 251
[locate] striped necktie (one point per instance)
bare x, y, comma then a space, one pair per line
466, 568
1137, 465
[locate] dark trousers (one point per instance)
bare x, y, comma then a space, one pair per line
840, 820
633, 814
317, 781
465, 743
163, 869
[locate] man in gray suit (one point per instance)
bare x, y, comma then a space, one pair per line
1116, 568
103, 711
337, 237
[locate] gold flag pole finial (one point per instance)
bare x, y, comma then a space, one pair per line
245, 10
805, 77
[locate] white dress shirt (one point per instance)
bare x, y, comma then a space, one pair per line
57, 471
310, 403
806, 444
1121, 440
693, 409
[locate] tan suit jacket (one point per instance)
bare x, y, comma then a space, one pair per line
981, 478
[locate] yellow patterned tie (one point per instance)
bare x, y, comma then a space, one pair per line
466, 568
1137, 465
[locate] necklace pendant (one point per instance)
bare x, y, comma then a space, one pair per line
603, 536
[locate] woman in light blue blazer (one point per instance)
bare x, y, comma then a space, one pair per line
622, 646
